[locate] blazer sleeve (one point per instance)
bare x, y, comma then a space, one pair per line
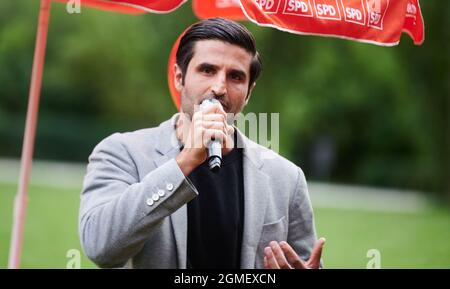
116, 211
302, 234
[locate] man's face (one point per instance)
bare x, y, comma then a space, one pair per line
217, 68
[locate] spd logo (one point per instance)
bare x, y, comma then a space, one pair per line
269, 6
376, 10
326, 9
298, 8
354, 11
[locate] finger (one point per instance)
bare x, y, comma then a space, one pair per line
207, 115
271, 262
292, 256
314, 260
219, 118
230, 129
213, 134
219, 109
207, 108
265, 263
198, 115
214, 117
214, 108
214, 125
229, 142
279, 256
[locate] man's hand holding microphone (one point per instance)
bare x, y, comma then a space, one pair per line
207, 131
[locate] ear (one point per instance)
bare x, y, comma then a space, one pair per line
247, 98
178, 77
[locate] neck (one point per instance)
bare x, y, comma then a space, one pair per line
182, 126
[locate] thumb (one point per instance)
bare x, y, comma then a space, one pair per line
314, 261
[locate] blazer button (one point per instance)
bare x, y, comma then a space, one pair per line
155, 197
161, 193
150, 202
169, 187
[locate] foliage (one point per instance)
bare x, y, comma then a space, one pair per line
349, 112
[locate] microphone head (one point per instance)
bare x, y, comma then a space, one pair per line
209, 101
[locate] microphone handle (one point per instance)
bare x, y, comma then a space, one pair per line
214, 155
214, 146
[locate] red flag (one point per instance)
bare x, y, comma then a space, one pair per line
379, 22
133, 6
414, 22
176, 97
229, 9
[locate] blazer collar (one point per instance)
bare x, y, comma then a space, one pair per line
167, 137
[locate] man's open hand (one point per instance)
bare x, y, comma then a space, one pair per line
282, 256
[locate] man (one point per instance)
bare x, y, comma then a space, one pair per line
150, 201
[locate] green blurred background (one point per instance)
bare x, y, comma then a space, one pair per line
350, 113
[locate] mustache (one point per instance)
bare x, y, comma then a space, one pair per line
213, 96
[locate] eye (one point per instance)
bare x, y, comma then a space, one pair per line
236, 77
207, 70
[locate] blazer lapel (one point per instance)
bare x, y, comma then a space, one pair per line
256, 190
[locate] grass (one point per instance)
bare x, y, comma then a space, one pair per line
51, 227
404, 240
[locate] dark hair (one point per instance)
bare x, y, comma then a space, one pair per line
218, 29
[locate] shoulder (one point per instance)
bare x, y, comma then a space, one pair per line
278, 169
143, 140
127, 140
286, 181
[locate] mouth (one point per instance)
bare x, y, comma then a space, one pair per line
224, 106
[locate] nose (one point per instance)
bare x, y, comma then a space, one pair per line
219, 87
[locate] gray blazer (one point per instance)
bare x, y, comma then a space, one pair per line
133, 209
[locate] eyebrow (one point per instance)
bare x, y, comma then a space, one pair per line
207, 65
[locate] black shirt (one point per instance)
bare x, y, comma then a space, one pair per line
215, 216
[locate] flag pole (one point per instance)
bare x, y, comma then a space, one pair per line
20, 203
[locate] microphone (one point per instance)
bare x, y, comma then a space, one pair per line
214, 146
